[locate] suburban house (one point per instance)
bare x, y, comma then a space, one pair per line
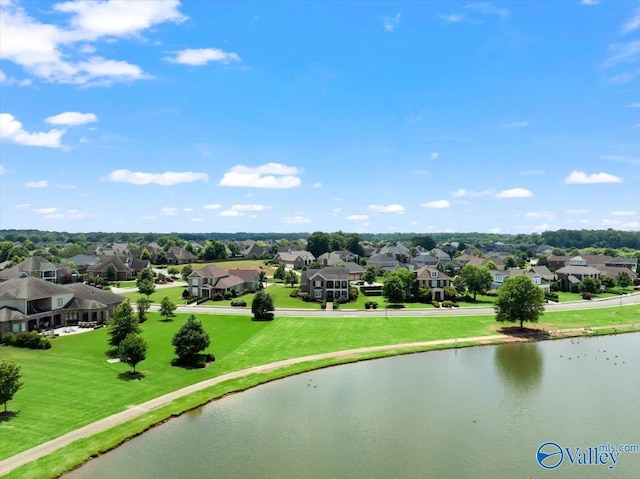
614, 271
570, 276
335, 257
355, 270
434, 279
255, 251
294, 259
33, 304
425, 259
83, 261
212, 279
440, 254
37, 267
123, 271
326, 283
179, 255
630, 263
499, 277
544, 272
383, 263
399, 252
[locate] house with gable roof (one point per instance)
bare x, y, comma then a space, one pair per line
327, 283
212, 279
434, 279
294, 259
37, 267
33, 304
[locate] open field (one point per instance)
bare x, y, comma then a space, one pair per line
72, 384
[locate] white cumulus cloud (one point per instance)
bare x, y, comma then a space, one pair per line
231, 213
357, 217
269, 175
202, 56
580, 177
212, 206
167, 178
36, 184
72, 118
296, 220
624, 213
515, 193
437, 204
248, 207
392, 208
11, 130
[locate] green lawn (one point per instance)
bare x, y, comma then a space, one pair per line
174, 294
72, 384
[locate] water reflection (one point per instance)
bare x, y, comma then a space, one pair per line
519, 365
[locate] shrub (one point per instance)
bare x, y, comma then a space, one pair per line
202, 300
228, 295
239, 303
551, 296
448, 304
367, 305
450, 293
31, 340
353, 294
293, 294
307, 298
342, 300
185, 294
435, 304
587, 295
323, 305
217, 297
492, 293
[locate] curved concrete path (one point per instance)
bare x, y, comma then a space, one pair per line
46, 448
132, 412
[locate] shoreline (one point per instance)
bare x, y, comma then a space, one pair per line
108, 433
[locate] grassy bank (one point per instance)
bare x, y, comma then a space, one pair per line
72, 384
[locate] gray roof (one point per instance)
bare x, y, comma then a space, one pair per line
84, 291
336, 273
579, 270
9, 314
31, 288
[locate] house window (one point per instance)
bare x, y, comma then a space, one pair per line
434, 283
317, 284
434, 274
59, 302
344, 284
329, 284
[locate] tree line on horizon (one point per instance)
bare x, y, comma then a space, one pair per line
562, 238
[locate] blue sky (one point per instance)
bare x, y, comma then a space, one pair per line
511, 117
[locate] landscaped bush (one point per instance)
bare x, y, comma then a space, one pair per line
307, 298
202, 300
185, 294
549, 296
239, 303
342, 300
7, 339
586, 295
228, 295
217, 297
293, 294
435, 304
492, 293
192, 299
465, 298
448, 304
371, 305
323, 305
450, 293
353, 294
31, 340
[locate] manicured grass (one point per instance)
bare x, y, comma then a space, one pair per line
72, 384
241, 263
174, 294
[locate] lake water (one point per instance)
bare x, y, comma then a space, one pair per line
470, 413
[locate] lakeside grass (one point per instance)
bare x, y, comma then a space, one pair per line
72, 384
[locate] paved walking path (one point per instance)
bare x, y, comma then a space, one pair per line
132, 412
49, 447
